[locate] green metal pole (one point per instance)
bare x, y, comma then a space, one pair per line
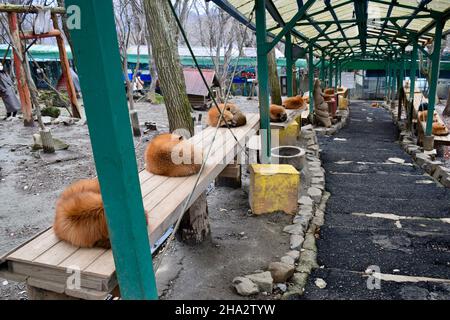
435, 64
311, 78
289, 65
413, 70
386, 72
263, 83
393, 78
336, 71
322, 70
99, 67
330, 73
340, 75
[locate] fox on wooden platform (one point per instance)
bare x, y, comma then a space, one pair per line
296, 102
232, 116
277, 113
80, 216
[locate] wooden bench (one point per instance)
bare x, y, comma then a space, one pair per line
422, 125
44, 262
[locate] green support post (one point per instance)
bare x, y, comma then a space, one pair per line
289, 65
99, 66
435, 63
322, 70
263, 83
413, 71
340, 75
311, 78
386, 72
330, 74
393, 80
336, 71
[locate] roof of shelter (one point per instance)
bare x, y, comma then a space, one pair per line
340, 28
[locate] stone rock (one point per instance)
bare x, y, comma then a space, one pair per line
282, 287
319, 218
308, 261
281, 271
263, 280
430, 166
396, 160
310, 242
319, 186
59, 144
305, 201
441, 172
288, 260
320, 283
446, 182
296, 242
299, 279
294, 254
317, 181
315, 194
47, 120
421, 158
294, 229
245, 287
68, 121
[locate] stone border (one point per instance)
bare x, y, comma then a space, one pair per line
425, 160
290, 274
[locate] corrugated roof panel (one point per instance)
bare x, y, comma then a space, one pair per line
377, 13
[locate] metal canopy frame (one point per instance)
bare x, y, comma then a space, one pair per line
338, 31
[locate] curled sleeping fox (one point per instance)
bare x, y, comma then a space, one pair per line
171, 156
80, 217
232, 116
277, 113
439, 129
294, 103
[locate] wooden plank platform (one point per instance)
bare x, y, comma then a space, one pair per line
45, 260
422, 125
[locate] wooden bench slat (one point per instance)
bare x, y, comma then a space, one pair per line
48, 258
82, 258
36, 247
103, 265
56, 254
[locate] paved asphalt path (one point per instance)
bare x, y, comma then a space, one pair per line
361, 182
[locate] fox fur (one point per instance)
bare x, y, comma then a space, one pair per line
294, 102
277, 113
161, 150
80, 217
440, 129
232, 116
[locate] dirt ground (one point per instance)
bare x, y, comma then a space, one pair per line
30, 185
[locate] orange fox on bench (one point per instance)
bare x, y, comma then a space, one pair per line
294, 103
232, 116
277, 113
80, 217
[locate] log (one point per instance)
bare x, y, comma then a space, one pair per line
47, 141
135, 123
194, 227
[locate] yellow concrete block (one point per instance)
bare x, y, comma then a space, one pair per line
273, 188
287, 136
343, 103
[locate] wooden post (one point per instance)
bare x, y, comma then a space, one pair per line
194, 227
65, 67
22, 86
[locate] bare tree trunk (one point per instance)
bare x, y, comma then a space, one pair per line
152, 69
168, 64
447, 106
275, 89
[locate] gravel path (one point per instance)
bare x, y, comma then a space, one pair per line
415, 242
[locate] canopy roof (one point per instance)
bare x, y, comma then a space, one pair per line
344, 28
